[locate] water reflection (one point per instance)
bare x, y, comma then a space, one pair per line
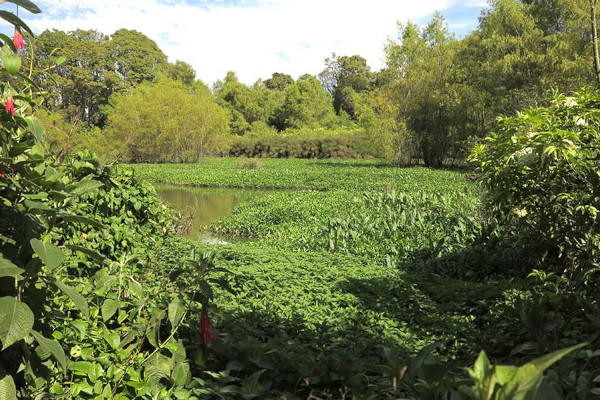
204, 205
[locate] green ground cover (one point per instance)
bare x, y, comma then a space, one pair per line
355, 265
302, 174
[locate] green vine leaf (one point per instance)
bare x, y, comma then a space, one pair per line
176, 311
26, 4
8, 390
51, 346
16, 321
74, 295
8, 269
50, 255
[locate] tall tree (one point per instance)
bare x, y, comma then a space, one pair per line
137, 58
343, 77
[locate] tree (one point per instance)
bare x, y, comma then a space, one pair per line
137, 58
425, 86
279, 81
306, 105
181, 71
165, 121
342, 77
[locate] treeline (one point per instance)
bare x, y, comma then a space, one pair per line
436, 95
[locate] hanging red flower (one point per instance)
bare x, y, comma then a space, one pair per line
18, 39
205, 328
10, 106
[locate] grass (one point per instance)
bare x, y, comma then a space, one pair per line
338, 270
356, 175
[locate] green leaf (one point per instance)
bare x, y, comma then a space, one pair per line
181, 374
90, 253
85, 186
529, 374
60, 60
50, 255
176, 311
26, 4
16, 321
82, 220
74, 295
53, 347
9, 269
157, 366
8, 41
109, 308
35, 126
81, 368
113, 339
11, 63
14, 20
206, 289
8, 390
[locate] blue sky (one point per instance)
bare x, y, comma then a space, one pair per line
255, 38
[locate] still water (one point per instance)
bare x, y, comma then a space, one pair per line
205, 206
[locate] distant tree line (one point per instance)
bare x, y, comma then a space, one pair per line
434, 97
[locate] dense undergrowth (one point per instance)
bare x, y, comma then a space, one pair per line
339, 288
364, 282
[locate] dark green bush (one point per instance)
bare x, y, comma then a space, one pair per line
541, 171
344, 145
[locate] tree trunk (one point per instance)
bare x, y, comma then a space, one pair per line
593, 4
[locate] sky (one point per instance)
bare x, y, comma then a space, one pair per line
255, 38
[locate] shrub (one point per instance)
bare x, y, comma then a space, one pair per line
320, 145
251, 163
540, 169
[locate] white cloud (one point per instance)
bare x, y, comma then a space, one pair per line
254, 40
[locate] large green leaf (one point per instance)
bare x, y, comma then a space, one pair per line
8, 390
181, 374
85, 186
109, 308
14, 20
26, 4
77, 298
83, 220
11, 63
157, 366
176, 311
50, 255
16, 320
35, 126
8, 41
528, 375
9, 269
88, 252
53, 347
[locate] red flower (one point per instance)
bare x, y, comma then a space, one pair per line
10, 106
205, 328
18, 39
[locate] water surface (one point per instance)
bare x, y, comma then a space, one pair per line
205, 206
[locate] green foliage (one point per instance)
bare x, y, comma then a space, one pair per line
297, 145
163, 121
539, 169
354, 175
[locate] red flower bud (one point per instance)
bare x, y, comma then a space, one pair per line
18, 39
10, 106
205, 328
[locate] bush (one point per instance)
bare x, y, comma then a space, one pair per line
540, 169
318, 145
251, 163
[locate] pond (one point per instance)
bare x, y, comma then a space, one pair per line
204, 206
